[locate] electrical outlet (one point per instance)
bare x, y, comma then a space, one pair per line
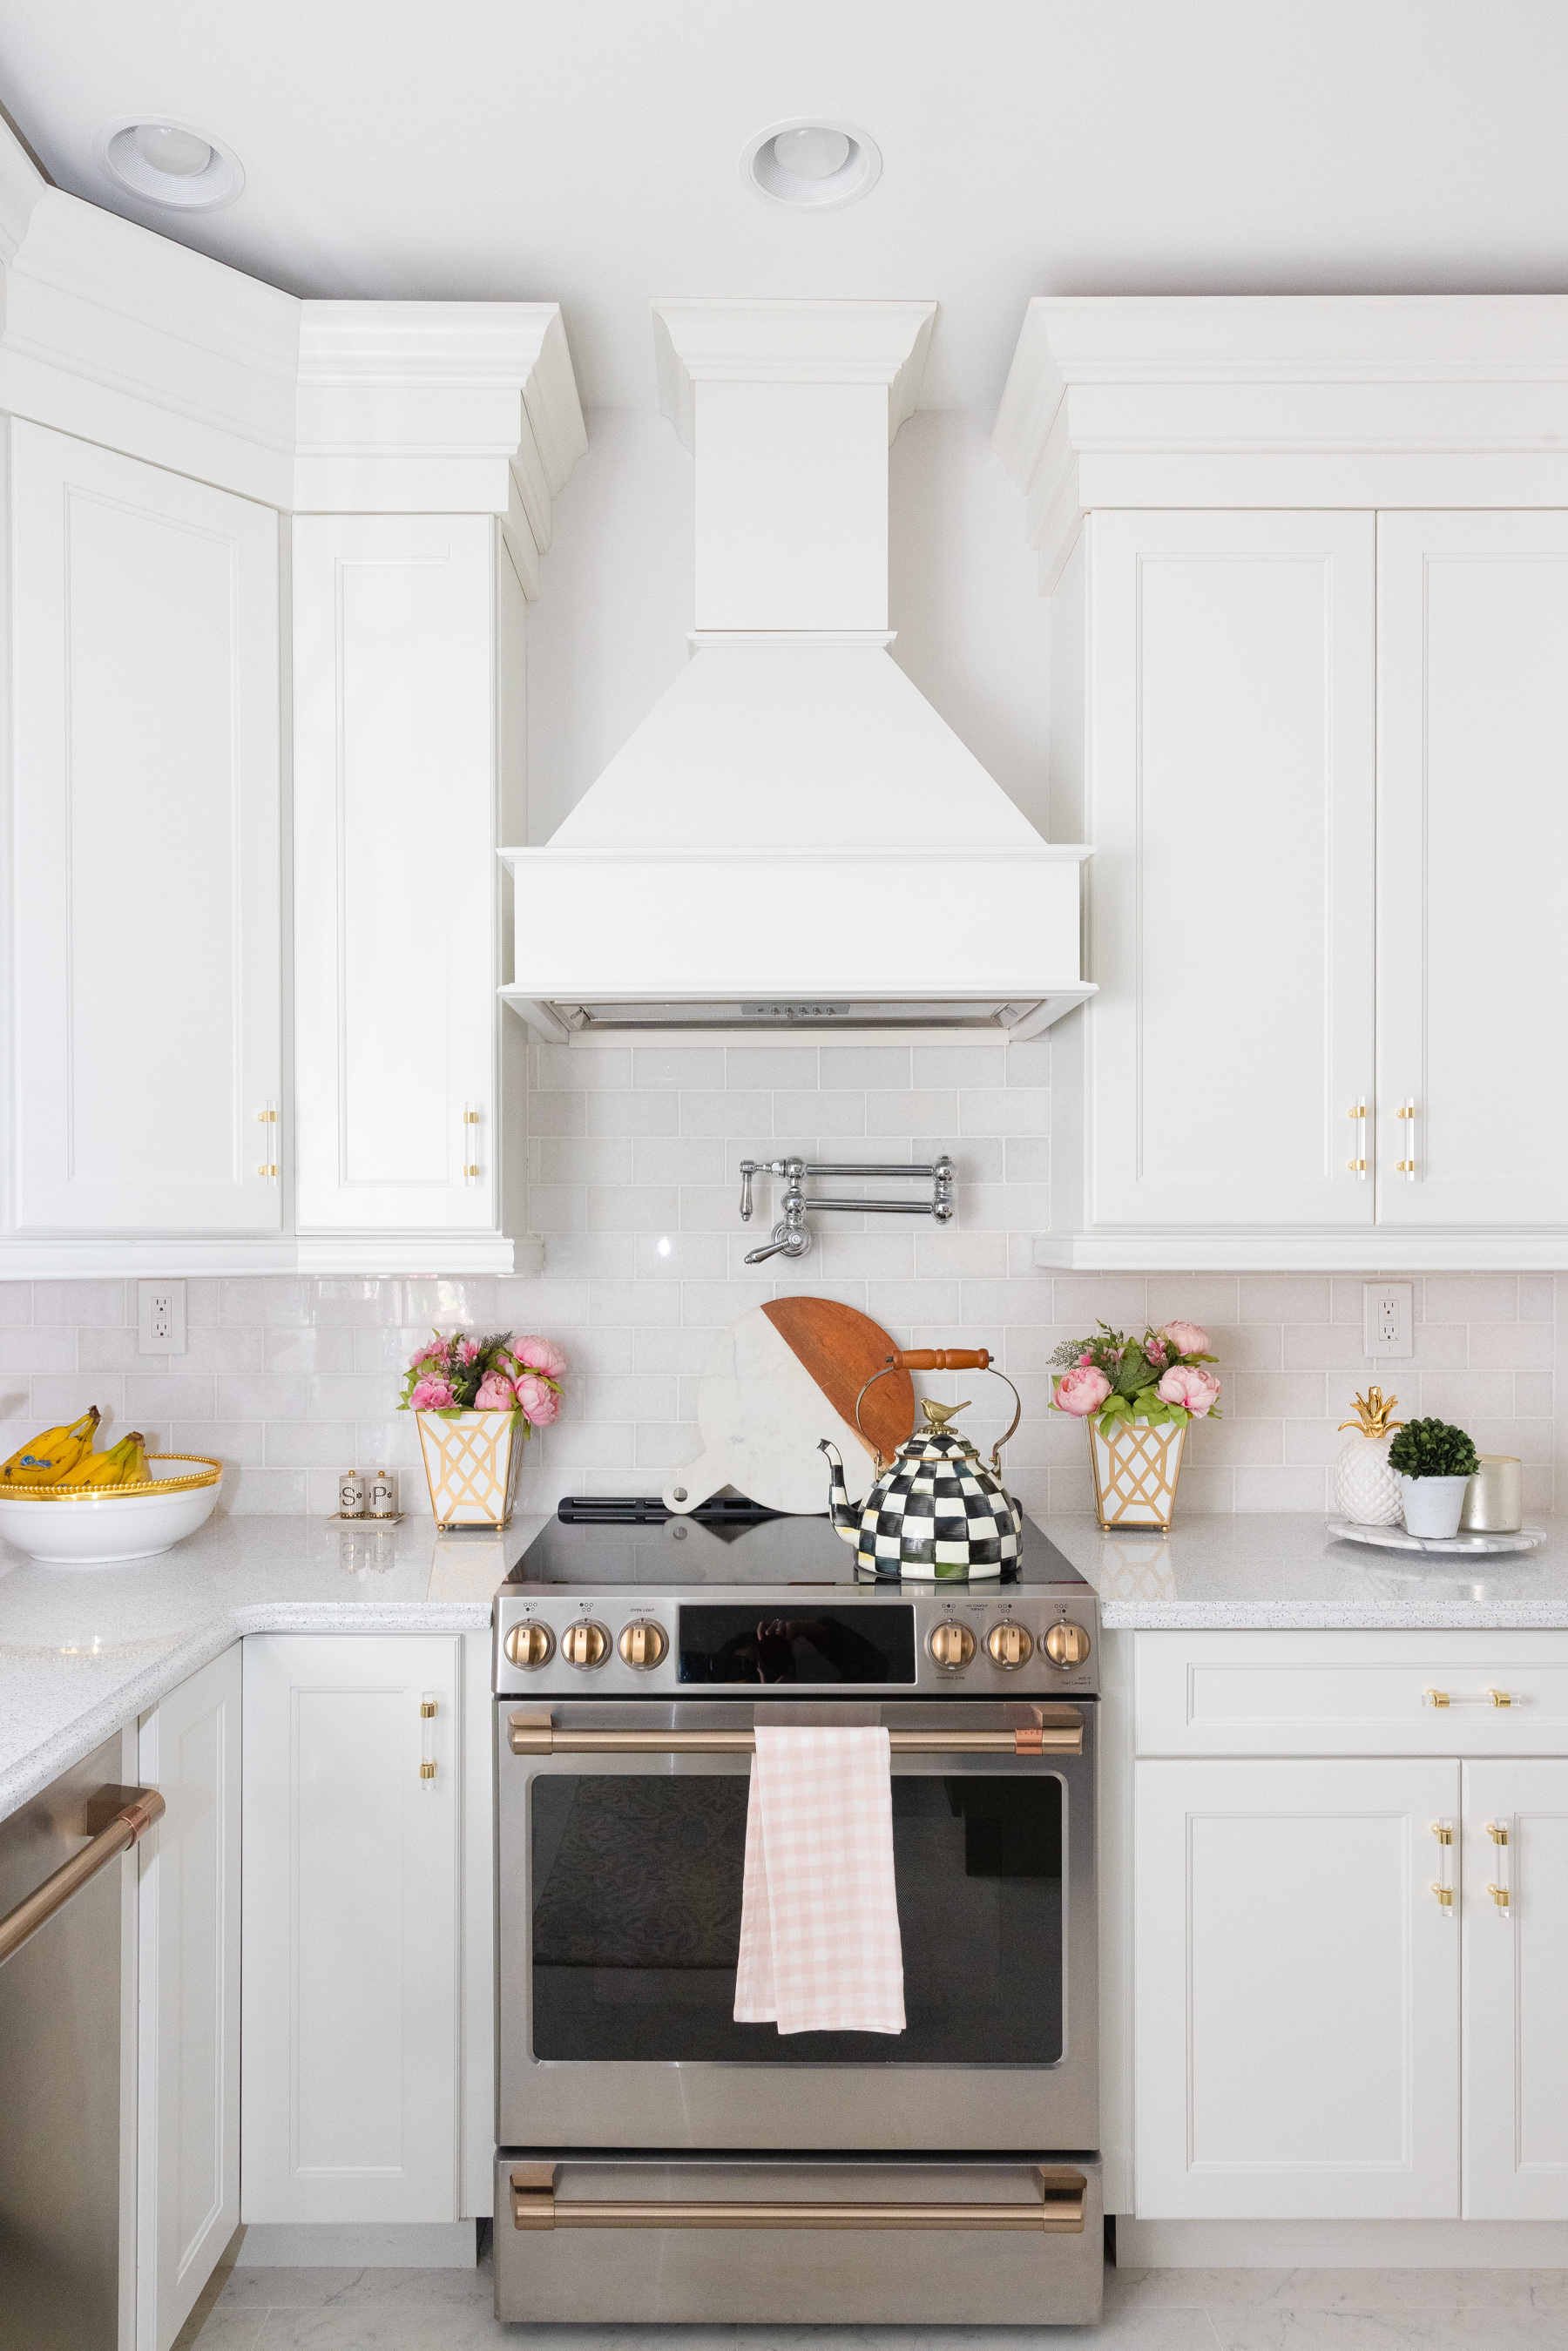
161, 1317
1388, 1311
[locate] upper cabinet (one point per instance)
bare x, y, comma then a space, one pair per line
401, 625
1309, 571
1230, 800
144, 890
169, 424
1472, 655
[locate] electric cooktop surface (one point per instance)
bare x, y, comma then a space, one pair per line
625, 1543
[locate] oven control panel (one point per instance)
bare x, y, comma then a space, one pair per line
825, 1640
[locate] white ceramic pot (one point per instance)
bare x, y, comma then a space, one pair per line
104, 1529
1432, 1505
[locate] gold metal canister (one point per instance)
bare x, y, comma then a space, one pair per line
1492, 1503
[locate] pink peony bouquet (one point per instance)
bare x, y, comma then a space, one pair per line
1114, 1377
495, 1374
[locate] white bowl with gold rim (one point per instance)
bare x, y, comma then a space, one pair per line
104, 1526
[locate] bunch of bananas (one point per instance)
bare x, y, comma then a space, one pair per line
64, 1457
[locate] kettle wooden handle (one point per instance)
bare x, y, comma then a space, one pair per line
941, 1359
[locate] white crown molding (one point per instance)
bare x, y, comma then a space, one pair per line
1288, 400
717, 339
122, 337
1373, 1249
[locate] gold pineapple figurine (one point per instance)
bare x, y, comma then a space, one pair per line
1366, 1489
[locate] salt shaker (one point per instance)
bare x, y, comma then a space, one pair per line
383, 1494
351, 1495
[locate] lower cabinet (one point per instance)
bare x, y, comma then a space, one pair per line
355, 1941
1350, 1972
188, 2049
1516, 1991
1297, 2050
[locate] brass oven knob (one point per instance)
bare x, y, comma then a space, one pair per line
1067, 1645
529, 1646
951, 1646
643, 1645
586, 1644
1009, 1645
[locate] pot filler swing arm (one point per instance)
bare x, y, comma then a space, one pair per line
791, 1235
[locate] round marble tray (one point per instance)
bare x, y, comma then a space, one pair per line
1466, 1546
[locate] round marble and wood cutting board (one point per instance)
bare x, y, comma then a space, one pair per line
783, 1376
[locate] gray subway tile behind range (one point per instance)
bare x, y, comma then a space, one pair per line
637, 1194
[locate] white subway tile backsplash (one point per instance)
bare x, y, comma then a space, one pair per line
636, 1158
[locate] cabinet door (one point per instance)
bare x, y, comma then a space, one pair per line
395, 881
1231, 809
1516, 1992
1473, 846
188, 2043
1297, 1992
350, 2051
146, 915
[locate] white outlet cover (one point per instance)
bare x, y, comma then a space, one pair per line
1389, 1315
160, 1318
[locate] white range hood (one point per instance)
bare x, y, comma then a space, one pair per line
793, 839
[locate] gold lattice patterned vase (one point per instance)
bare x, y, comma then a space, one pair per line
1136, 1471
472, 1461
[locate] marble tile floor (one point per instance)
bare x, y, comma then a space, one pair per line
1145, 2310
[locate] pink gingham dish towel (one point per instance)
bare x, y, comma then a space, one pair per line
820, 1947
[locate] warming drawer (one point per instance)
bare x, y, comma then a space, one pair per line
648, 2240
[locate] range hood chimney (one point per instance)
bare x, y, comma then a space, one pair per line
793, 840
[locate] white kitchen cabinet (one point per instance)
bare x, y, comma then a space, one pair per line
1223, 768
407, 629
1297, 1990
1472, 652
189, 1998
143, 885
1516, 1991
352, 2075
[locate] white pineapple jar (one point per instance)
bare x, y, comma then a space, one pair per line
1365, 1489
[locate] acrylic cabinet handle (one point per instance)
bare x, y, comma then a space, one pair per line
531, 1733
1497, 1832
1407, 1165
129, 1823
1443, 1887
1358, 1166
267, 1170
1488, 1696
534, 2205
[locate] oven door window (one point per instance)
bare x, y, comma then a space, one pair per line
636, 1884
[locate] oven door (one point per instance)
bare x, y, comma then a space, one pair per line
618, 1918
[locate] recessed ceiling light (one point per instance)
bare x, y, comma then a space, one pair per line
811, 166
171, 162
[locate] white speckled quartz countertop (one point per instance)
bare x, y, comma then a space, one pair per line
84, 1650
1242, 1573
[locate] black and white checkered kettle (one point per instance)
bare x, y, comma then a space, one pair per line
935, 1512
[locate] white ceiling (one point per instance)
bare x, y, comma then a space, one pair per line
587, 150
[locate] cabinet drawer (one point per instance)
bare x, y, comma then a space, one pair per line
1295, 1693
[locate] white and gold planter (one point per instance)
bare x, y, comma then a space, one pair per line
471, 1462
1136, 1471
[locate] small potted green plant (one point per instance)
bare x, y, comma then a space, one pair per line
1434, 1463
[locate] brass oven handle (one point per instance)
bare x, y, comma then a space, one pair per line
1060, 2212
132, 1822
533, 1733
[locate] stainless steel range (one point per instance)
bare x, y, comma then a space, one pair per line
660, 2161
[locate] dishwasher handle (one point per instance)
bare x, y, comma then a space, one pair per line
534, 2205
130, 1824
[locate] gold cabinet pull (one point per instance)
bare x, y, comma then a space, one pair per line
1498, 1895
1498, 1835
1407, 1110
1357, 1167
470, 1142
534, 2205
1499, 1698
1442, 1888
1445, 1894
268, 1118
427, 1706
1442, 1832
1433, 1697
1497, 1832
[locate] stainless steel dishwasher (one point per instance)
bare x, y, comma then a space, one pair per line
62, 1978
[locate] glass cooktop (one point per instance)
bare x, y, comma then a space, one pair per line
629, 1543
